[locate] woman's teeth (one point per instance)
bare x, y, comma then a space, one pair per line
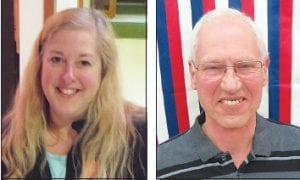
68, 91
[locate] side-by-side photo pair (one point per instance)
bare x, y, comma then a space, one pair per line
76, 101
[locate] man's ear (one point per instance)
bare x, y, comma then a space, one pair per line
193, 74
265, 69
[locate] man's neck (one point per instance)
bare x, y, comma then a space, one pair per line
237, 141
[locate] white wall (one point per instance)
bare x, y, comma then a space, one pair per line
64, 4
31, 22
31, 14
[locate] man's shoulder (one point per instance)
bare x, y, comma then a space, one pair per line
176, 150
278, 127
283, 136
172, 143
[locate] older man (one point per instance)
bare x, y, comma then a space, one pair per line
228, 69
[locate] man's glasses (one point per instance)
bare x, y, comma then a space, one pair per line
241, 68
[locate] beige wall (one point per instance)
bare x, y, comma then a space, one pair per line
132, 57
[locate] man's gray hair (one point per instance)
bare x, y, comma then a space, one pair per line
210, 16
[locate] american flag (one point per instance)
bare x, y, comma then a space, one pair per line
279, 22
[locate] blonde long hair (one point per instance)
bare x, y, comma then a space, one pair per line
108, 137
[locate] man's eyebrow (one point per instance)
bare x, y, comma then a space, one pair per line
211, 60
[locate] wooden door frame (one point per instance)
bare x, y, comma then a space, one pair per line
48, 8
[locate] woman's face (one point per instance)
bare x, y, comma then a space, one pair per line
70, 73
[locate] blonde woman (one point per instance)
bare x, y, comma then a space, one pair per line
68, 119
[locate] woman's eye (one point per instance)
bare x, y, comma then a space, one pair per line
56, 59
85, 63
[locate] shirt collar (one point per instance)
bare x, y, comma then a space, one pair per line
262, 144
202, 146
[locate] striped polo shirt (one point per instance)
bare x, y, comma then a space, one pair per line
275, 154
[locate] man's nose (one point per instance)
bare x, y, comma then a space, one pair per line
68, 73
230, 81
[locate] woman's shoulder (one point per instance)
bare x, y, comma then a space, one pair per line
137, 114
3, 170
139, 121
134, 109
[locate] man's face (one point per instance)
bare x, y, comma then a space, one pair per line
229, 100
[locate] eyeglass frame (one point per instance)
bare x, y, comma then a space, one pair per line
233, 66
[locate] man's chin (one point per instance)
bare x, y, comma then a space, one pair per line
233, 122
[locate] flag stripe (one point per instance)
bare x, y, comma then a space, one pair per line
261, 14
295, 119
172, 20
186, 31
285, 60
273, 41
162, 134
248, 8
221, 4
165, 69
196, 6
208, 5
235, 4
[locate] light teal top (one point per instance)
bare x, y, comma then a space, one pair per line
57, 165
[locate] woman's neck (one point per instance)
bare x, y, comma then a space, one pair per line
60, 138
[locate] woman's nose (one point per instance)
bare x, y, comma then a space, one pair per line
68, 73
